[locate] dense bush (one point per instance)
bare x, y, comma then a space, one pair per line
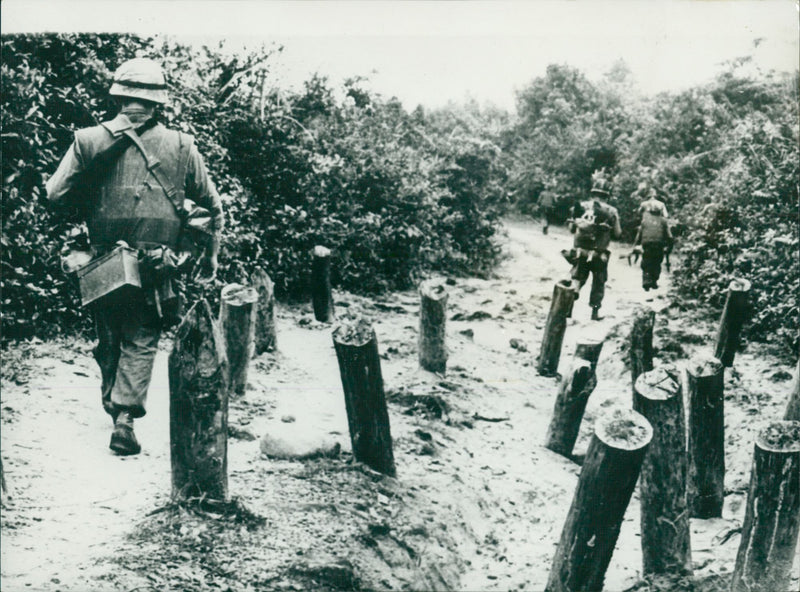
725, 159
50, 85
395, 195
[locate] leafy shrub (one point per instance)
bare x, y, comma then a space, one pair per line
51, 85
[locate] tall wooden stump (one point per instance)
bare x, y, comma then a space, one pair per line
573, 394
605, 485
265, 336
589, 349
432, 319
793, 407
666, 549
641, 343
321, 284
772, 519
198, 408
3, 488
367, 417
560, 309
706, 442
237, 319
733, 317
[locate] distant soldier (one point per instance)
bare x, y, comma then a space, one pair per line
594, 224
547, 206
655, 237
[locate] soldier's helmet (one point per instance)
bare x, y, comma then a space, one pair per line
140, 78
600, 187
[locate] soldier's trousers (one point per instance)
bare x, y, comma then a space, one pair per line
127, 341
652, 256
596, 263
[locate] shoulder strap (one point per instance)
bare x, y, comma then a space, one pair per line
153, 165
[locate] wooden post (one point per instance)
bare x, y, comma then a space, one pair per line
321, 284
605, 485
666, 550
237, 319
432, 319
641, 342
772, 519
198, 408
589, 349
367, 417
706, 442
560, 309
573, 393
265, 337
793, 407
733, 317
3, 488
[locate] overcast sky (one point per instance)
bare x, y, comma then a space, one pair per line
430, 52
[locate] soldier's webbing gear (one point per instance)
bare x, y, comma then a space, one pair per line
135, 201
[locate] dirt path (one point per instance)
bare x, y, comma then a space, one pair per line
478, 505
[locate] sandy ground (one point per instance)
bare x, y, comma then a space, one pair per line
478, 503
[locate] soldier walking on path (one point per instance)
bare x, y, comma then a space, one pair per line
656, 239
547, 206
594, 223
129, 177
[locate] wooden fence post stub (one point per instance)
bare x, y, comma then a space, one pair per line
321, 295
793, 407
664, 515
237, 320
265, 335
706, 440
772, 518
732, 321
605, 485
641, 342
589, 348
432, 321
556, 326
198, 408
367, 416
573, 393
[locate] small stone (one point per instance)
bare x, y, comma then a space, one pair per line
518, 345
288, 419
297, 444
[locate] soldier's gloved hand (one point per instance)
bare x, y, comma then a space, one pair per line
206, 269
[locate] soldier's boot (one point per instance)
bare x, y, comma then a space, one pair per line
595, 313
123, 440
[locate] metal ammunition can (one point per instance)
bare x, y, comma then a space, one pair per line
109, 276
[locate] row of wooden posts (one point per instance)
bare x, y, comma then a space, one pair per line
679, 464
674, 446
210, 360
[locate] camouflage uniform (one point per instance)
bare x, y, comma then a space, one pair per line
593, 228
